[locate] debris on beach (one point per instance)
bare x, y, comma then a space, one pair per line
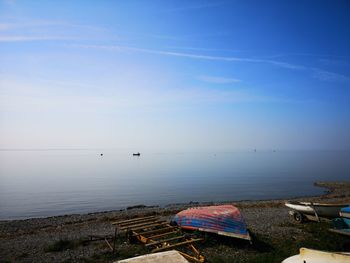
158, 235
222, 219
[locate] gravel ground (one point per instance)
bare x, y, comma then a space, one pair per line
26, 240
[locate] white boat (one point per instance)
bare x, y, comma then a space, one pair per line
317, 210
317, 256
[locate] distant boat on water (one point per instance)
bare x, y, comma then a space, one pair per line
136, 154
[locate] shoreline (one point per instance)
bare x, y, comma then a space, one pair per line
329, 187
26, 240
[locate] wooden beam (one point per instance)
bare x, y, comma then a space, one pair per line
163, 234
140, 224
109, 245
177, 244
155, 231
199, 259
164, 240
148, 226
138, 221
131, 220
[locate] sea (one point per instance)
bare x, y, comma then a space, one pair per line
50, 182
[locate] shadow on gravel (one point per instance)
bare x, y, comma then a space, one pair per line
261, 244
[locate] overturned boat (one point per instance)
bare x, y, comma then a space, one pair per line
314, 211
222, 219
318, 256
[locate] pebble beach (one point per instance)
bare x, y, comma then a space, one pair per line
28, 240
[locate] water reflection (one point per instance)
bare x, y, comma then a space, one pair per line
45, 183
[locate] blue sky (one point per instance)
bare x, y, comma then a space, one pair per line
175, 75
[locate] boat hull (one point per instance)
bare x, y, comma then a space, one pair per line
317, 256
345, 212
322, 210
345, 215
223, 220
171, 256
301, 208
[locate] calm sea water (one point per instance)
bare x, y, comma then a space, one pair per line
47, 183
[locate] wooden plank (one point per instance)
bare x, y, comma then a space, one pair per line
155, 231
164, 240
163, 234
140, 224
137, 221
97, 238
199, 259
109, 245
177, 244
148, 226
195, 250
133, 220
143, 225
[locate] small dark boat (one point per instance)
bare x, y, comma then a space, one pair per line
222, 219
136, 154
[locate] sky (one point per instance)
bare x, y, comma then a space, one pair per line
175, 75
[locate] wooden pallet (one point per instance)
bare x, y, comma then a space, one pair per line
158, 235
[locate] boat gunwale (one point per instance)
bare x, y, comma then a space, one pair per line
315, 204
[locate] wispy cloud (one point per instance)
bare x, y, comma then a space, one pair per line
217, 80
174, 37
6, 26
36, 96
205, 49
32, 38
191, 56
329, 76
306, 55
33, 23
9, 2
334, 62
42, 30
318, 73
196, 6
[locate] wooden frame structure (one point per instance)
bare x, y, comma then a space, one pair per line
158, 235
